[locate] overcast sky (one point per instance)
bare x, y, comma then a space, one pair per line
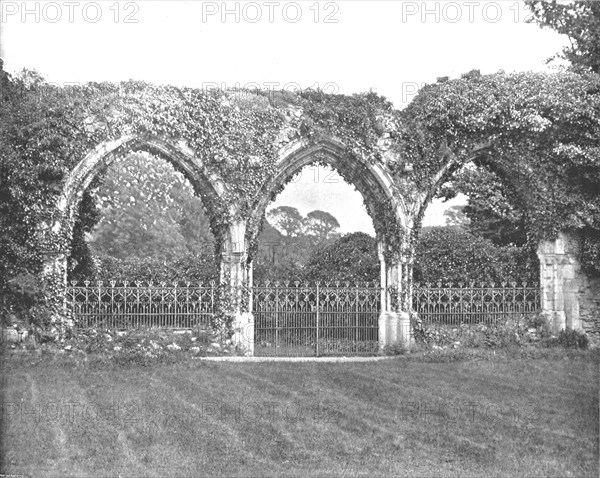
343, 46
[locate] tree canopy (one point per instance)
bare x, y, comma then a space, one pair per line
539, 133
321, 225
287, 220
149, 210
491, 212
580, 21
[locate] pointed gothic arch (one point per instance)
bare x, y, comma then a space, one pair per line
208, 187
374, 183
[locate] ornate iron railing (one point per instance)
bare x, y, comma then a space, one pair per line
475, 303
126, 305
295, 319
316, 320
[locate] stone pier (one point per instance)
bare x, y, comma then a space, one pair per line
570, 297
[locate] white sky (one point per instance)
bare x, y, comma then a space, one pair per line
342, 46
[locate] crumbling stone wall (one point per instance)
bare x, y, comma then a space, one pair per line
589, 308
570, 298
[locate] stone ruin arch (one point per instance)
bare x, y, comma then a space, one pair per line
235, 236
561, 292
569, 297
95, 163
290, 136
377, 188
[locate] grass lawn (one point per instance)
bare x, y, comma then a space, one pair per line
401, 417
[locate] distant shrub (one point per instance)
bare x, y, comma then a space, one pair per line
453, 255
351, 258
192, 267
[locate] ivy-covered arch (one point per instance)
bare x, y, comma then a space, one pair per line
254, 141
206, 185
372, 181
95, 163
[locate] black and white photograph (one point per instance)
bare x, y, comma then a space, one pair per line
304, 238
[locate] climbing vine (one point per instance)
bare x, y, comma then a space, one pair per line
543, 129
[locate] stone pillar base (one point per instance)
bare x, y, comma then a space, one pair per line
395, 329
556, 319
243, 332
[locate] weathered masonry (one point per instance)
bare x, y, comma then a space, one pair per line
239, 149
569, 298
235, 239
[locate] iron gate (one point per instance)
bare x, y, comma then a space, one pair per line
304, 320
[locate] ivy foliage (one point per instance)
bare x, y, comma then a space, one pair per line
580, 21
452, 255
193, 268
541, 130
539, 133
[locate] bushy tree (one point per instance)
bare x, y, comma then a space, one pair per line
351, 258
321, 226
287, 244
580, 21
491, 212
455, 217
279, 257
287, 220
453, 255
149, 210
